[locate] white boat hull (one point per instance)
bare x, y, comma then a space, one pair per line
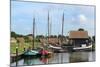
83, 48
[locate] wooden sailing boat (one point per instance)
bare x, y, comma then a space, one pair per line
32, 52
58, 48
49, 33
44, 52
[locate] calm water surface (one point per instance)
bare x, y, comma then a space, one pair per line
58, 58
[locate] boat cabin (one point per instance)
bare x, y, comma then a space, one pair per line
79, 38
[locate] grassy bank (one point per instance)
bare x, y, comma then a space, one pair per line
22, 46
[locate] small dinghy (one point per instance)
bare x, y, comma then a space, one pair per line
45, 53
31, 53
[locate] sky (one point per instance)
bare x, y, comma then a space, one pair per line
75, 17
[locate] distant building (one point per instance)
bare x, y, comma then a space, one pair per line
13, 40
51, 40
78, 38
30, 37
21, 41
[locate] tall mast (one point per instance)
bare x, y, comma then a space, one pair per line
62, 28
48, 27
62, 36
33, 32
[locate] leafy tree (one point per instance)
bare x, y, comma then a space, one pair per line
18, 35
29, 35
13, 34
51, 36
26, 39
39, 36
93, 38
55, 36
67, 37
59, 36
80, 29
90, 39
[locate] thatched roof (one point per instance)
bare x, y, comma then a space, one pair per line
13, 40
78, 34
51, 40
20, 39
30, 38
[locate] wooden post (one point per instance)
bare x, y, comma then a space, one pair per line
24, 48
16, 56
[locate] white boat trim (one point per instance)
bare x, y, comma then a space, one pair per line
50, 46
90, 46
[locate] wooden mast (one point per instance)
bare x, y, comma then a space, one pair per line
33, 32
62, 28
62, 36
48, 27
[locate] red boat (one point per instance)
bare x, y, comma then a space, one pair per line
44, 52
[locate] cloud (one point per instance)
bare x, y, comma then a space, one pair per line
82, 19
79, 20
22, 14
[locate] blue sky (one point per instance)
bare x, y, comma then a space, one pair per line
75, 17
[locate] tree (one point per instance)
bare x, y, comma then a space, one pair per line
39, 36
59, 36
13, 34
90, 40
80, 29
51, 36
93, 38
67, 37
29, 35
55, 36
18, 35
26, 39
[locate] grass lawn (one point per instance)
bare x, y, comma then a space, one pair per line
20, 48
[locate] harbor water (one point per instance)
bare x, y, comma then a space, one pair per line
57, 58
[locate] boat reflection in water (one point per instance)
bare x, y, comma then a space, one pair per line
35, 61
44, 60
57, 58
81, 57
31, 61
78, 57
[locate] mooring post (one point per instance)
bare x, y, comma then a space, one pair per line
16, 56
24, 48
